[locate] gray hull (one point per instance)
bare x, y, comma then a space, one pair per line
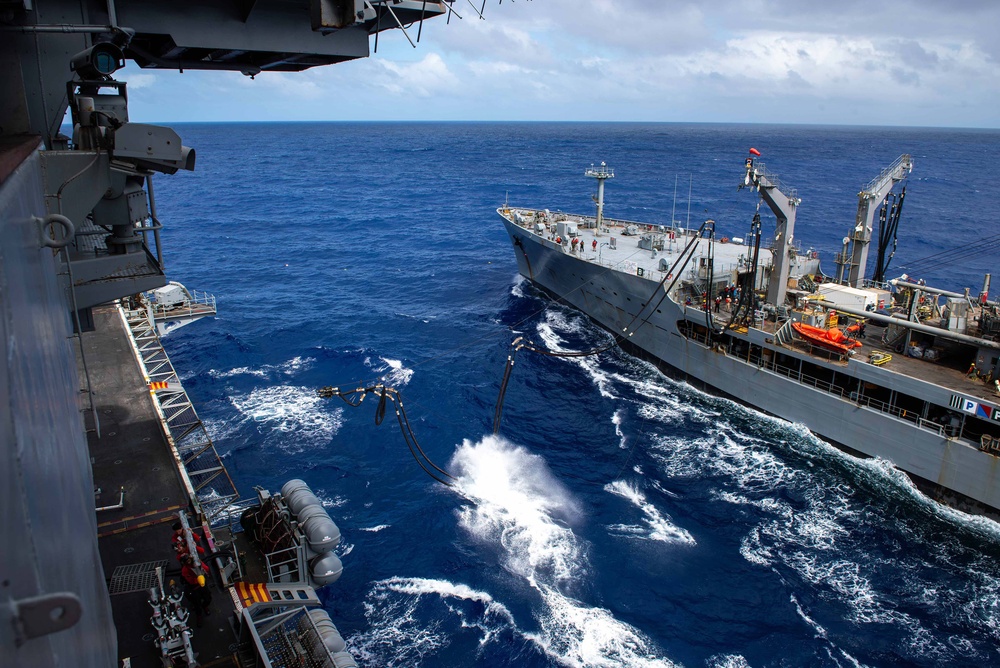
612, 298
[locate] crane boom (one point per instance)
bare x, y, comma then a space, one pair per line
868, 199
783, 206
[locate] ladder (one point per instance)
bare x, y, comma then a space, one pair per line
206, 478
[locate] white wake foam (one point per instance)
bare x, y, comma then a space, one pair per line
557, 322
809, 521
658, 527
517, 289
812, 537
727, 661
328, 501
375, 529
582, 636
616, 420
289, 368
394, 374
295, 411
219, 430
238, 371
395, 634
515, 503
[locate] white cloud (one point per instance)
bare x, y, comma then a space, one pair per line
140, 81
919, 62
425, 78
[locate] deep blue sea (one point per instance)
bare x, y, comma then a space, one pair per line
621, 518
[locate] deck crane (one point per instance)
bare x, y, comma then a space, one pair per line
783, 206
861, 234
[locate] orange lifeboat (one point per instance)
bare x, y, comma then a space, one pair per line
831, 339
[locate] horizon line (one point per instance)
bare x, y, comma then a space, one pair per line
585, 122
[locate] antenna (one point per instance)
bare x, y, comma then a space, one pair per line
690, 181
673, 208
601, 173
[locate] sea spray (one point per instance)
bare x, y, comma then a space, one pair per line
514, 501
519, 504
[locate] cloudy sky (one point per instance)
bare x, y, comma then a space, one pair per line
894, 62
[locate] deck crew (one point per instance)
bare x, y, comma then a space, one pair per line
196, 588
180, 543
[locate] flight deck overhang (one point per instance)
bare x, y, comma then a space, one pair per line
272, 35
262, 35
40, 39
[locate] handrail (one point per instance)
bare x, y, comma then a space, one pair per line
860, 400
200, 303
875, 184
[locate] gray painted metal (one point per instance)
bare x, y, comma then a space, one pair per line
249, 37
924, 288
46, 488
46, 482
784, 207
920, 327
612, 298
868, 200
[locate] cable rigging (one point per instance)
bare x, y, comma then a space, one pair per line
951, 255
355, 397
746, 282
888, 225
385, 394
521, 343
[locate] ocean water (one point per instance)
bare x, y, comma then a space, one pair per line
620, 518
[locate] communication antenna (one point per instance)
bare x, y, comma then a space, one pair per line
602, 174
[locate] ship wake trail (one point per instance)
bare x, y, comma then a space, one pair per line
658, 527
810, 507
396, 610
512, 501
812, 529
294, 413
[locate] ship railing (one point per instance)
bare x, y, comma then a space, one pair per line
943, 430
772, 179
200, 304
691, 275
204, 475
285, 634
911, 416
794, 373
876, 183
876, 285
284, 565
883, 407
591, 221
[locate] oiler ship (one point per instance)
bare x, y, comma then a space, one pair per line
892, 369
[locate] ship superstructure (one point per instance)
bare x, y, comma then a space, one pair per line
897, 370
102, 448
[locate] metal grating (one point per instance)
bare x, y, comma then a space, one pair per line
134, 577
288, 645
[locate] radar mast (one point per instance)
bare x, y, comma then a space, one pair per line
602, 174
